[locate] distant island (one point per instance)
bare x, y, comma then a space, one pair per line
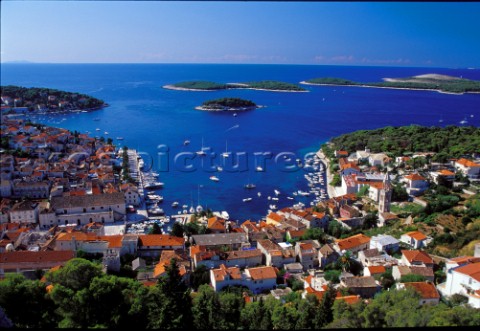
228, 104
435, 82
264, 85
39, 99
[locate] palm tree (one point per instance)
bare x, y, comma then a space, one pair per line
345, 261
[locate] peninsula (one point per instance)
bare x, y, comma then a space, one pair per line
228, 104
264, 85
15, 98
434, 82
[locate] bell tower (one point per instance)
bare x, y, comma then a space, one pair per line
385, 195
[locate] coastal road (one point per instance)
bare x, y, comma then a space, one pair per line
332, 191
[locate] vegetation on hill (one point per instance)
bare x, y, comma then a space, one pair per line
49, 98
331, 81
201, 85
270, 85
228, 103
80, 295
447, 142
451, 217
274, 85
429, 82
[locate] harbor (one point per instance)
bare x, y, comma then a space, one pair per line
148, 212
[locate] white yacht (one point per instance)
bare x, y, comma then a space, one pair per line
226, 153
153, 185
202, 151
214, 178
250, 186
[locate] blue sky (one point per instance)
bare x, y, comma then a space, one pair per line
338, 33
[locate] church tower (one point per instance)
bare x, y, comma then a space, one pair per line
385, 195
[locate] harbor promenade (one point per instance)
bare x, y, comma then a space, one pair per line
332, 191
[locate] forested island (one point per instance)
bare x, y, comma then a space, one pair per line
267, 85
448, 142
227, 104
441, 83
46, 100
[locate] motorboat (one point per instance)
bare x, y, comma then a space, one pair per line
214, 178
247, 199
277, 192
186, 142
153, 185
175, 204
250, 186
258, 168
259, 194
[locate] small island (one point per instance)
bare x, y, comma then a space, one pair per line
264, 85
17, 98
433, 82
199, 85
228, 105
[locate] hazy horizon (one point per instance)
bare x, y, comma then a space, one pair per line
408, 34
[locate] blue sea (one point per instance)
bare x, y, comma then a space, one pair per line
156, 121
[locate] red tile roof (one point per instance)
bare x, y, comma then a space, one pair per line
32, 257
275, 217
414, 177
426, 289
353, 241
417, 256
467, 163
444, 172
416, 235
465, 259
261, 273
472, 270
159, 240
376, 269
350, 299
220, 273
215, 223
